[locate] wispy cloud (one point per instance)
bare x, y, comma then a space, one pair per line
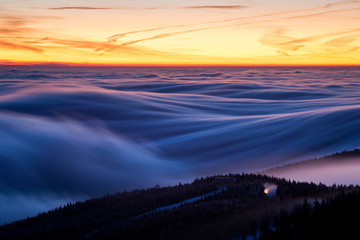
18, 46
341, 44
81, 8
223, 7
287, 45
89, 46
115, 37
321, 13
162, 36
341, 3
216, 7
264, 18
276, 39
13, 24
17, 35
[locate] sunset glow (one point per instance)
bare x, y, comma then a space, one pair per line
206, 32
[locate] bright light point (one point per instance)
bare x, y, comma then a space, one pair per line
270, 189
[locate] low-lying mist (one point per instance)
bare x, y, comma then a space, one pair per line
343, 171
74, 133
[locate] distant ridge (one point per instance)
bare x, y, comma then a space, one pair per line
339, 168
335, 156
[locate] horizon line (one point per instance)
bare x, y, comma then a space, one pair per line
68, 64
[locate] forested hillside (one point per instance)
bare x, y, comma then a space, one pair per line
329, 219
239, 207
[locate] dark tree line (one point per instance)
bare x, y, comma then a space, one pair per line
335, 218
229, 214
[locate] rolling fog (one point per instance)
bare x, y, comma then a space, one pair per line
69, 134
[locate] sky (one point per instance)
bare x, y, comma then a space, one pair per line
168, 32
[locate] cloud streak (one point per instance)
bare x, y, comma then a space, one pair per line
9, 45
164, 35
342, 44
81, 8
287, 45
114, 38
216, 7
253, 20
222, 7
17, 35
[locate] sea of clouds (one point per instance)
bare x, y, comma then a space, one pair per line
70, 133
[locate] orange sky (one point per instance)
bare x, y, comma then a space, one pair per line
158, 32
